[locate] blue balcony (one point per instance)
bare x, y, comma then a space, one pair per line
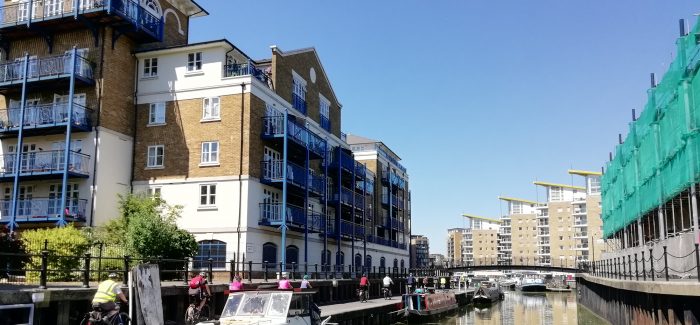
272, 172
347, 162
43, 209
359, 201
317, 184
299, 103
126, 15
325, 123
273, 128
47, 164
360, 170
345, 196
45, 119
346, 228
46, 69
317, 222
246, 69
271, 215
381, 241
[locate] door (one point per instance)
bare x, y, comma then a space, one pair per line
23, 10
72, 199
59, 113
28, 159
273, 164
24, 203
81, 66
75, 162
271, 209
53, 8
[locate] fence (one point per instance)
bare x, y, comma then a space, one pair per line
651, 266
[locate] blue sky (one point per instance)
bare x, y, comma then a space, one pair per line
480, 97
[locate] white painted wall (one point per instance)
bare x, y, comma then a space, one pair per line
114, 161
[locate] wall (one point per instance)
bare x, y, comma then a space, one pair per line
114, 157
524, 238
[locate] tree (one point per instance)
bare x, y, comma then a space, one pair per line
12, 263
66, 246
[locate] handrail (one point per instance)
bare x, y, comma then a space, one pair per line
45, 67
45, 115
38, 208
46, 161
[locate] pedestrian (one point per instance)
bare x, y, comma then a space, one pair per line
305, 284
284, 283
236, 285
410, 282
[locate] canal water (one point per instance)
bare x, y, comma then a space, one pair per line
550, 308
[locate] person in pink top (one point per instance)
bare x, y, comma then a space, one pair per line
284, 283
236, 285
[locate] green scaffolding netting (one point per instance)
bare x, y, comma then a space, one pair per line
659, 157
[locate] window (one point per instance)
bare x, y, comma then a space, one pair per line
368, 262
154, 192
382, 263
214, 249
594, 187
556, 194
210, 152
210, 109
516, 208
150, 67
156, 114
155, 156
299, 94
207, 195
324, 111
194, 62
269, 254
292, 255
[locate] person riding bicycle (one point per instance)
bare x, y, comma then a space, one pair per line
105, 299
364, 283
387, 282
199, 290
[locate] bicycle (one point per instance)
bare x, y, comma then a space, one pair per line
387, 293
95, 318
363, 295
194, 315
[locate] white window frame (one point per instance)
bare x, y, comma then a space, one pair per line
152, 154
194, 62
210, 157
208, 113
298, 85
155, 191
156, 113
150, 67
556, 194
324, 107
210, 199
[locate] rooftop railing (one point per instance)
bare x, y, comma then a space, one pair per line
244, 69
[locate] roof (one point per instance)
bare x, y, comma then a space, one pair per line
546, 184
222, 41
190, 7
480, 218
356, 139
320, 64
584, 172
505, 198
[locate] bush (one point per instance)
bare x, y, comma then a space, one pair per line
11, 264
66, 245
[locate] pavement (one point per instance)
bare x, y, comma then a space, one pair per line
330, 310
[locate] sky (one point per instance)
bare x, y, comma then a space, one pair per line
479, 98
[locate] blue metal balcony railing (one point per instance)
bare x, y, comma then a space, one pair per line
325, 123
299, 103
347, 161
347, 226
271, 214
45, 163
12, 72
272, 172
316, 183
359, 230
331, 227
244, 69
394, 244
27, 12
317, 222
381, 241
273, 126
359, 201
45, 116
345, 196
40, 209
359, 169
402, 246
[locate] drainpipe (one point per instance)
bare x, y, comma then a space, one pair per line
240, 178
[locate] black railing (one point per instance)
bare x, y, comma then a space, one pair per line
649, 266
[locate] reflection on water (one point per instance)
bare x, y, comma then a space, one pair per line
527, 308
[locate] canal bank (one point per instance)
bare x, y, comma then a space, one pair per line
640, 302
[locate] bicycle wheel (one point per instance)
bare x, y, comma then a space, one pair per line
205, 313
86, 320
190, 315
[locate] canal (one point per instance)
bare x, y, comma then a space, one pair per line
528, 308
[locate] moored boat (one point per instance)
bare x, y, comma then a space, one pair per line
426, 305
508, 283
488, 292
532, 285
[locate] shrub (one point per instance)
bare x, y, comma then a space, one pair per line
11, 264
66, 245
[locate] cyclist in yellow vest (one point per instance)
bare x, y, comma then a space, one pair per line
106, 296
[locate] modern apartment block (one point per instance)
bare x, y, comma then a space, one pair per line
111, 98
481, 241
67, 120
519, 232
455, 237
420, 251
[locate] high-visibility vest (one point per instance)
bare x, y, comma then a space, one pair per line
105, 292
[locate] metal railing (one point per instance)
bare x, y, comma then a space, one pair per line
38, 209
44, 68
273, 126
649, 267
45, 115
244, 69
44, 162
271, 214
299, 103
345, 196
325, 123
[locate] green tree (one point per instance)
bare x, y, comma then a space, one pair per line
66, 245
15, 260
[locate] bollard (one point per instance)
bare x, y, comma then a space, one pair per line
250, 271
315, 271
126, 269
281, 270
265, 275
697, 261
44, 266
232, 272
666, 262
86, 271
644, 268
636, 268
210, 273
651, 259
629, 262
187, 270
624, 268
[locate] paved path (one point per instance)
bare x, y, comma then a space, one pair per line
336, 309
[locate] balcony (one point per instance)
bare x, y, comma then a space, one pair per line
581, 235
273, 128
127, 15
325, 123
245, 69
271, 215
44, 119
43, 209
345, 196
44, 70
580, 222
299, 103
580, 247
317, 184
272, 172
347, 162
543, 252
45, 164
359, 201
360, 170
346, 228
542, 233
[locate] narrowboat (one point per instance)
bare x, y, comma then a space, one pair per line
533, 285
487, 292
428, 305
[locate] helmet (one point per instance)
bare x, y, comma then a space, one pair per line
112, 275
203, 274
306, 277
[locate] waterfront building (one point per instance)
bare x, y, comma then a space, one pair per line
455, 236
481, 240
520, 232
67, 124
420, 251
437, 260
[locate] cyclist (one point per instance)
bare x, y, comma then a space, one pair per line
236, 285
305, 284
284, 283
387, 282
199, 290
364, 283
105, 299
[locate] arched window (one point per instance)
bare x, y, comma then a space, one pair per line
358, 261
269, 254
402, 265
292, 254
153, 7
382, 262
340, 258
396, 263
368, 262
326, 258
215, 249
